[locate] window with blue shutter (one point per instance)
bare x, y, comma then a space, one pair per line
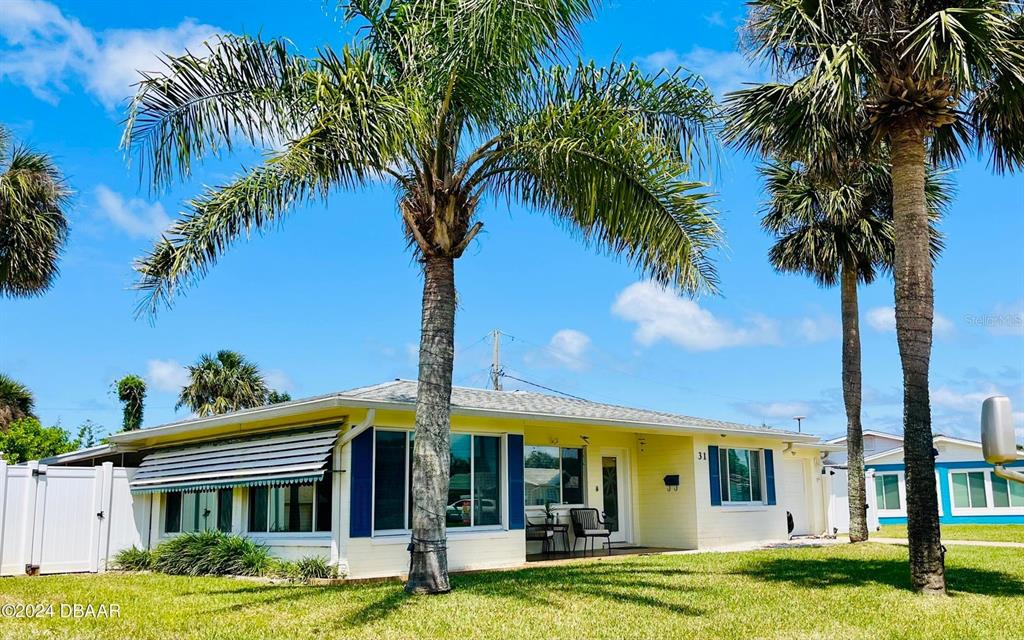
361, 501
769, 475
515, 482
715, 476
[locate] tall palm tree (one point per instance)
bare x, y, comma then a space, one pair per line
16, 401
131, 391
222, 383
33, 226
837, 228
452, 102
928, 77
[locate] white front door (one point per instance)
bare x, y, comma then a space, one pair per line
615, 494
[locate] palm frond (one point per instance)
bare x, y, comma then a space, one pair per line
241, 89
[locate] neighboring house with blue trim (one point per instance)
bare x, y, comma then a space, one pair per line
969, 491
330, 476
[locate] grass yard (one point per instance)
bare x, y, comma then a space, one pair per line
987, 532
841, 591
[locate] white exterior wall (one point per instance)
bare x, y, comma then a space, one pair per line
740, 525
387, 555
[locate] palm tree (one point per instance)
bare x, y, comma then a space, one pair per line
277, 397
452, 102
838, 230
131, 391
16, 401
927, 78
222, 383
33, 228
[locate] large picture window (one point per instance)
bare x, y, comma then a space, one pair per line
553, 475
969, 490
1006, 493
203, 511
291, 508
887, 491
474, 485
740, 475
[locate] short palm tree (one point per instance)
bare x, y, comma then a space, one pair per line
452, 102
927, 78
222, 383
837, 228
131, 391
33, 226
16, 401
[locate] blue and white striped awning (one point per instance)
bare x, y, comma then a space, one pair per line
281, 458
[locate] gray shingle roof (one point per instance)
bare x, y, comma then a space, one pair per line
539, 404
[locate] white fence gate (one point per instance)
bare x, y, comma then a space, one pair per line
837, 491
67, 519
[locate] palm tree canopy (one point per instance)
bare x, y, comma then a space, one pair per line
131, 391
955, 66
221, 383
822, 222
451, 101
16, 401
33, 227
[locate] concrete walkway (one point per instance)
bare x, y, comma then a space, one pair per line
949, 543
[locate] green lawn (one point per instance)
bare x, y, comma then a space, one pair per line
842, 591
989, 532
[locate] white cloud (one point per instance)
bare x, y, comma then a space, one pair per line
967, 402
884, 319
166, 375
819, 329
569, 348
136, 217
661, 314
49, 48
724, 71
715, 19
777, 410
278, 380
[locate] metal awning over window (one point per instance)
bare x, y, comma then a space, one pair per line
283, 458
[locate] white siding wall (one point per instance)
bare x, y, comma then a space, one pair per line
387, 556
731, 526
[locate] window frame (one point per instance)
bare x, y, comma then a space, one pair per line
724, 474
990, 509
328, 478
214, 516
901, 490
561, 486
407, 485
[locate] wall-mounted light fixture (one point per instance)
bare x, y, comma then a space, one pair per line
586, 440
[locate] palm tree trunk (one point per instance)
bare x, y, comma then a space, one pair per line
428, 568
852, 400
914, 314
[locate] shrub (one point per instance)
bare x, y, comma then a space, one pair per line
133, 559
312, 567
211, 553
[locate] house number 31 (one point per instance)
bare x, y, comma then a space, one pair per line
702, 455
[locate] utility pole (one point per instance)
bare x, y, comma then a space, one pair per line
496, 360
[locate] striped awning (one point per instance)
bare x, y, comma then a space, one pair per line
282, 458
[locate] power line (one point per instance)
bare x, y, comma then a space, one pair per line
504, 374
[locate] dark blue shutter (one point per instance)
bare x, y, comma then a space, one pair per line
516, 496
769, 474
361, 501
715, 475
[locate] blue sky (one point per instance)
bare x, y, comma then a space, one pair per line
331, 299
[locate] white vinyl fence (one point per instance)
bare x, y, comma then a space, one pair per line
837, 491
67, 519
